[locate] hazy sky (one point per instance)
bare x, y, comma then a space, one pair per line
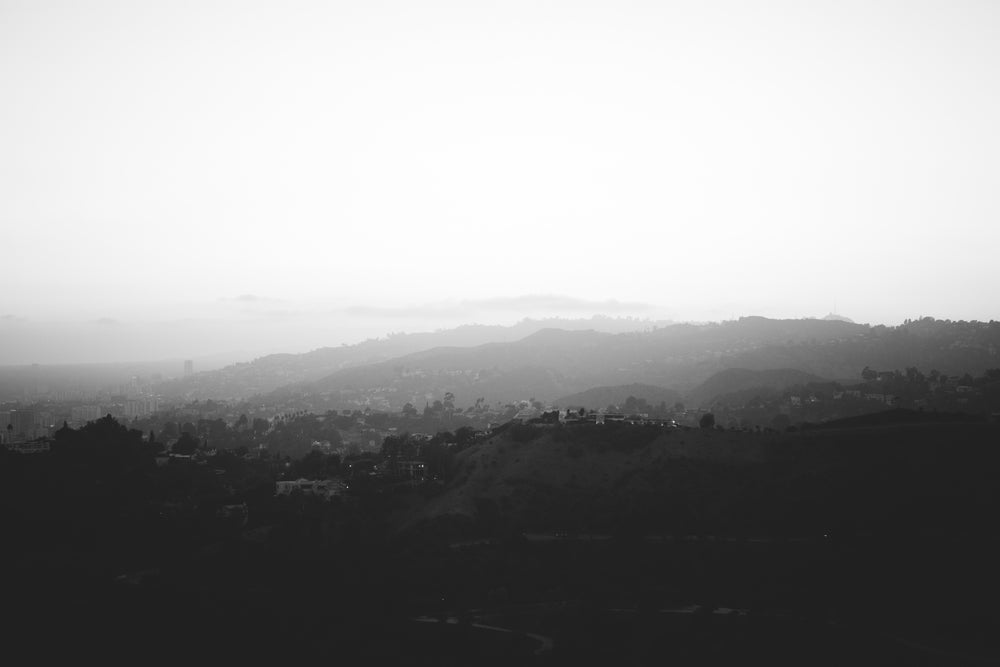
284, 175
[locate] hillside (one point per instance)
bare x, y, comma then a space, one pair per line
741, 380
600, 397
553, 363
680, 481
271, 372
553, 482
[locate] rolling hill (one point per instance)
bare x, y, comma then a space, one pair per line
599, 397
926, 476
733, 380
266, 374
553, 363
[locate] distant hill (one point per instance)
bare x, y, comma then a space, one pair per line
553, 363
599, 397
550, 363
733, 380
270, 372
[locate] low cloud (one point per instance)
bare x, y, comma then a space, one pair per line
107, 321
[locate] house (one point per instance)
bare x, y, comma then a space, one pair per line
524, 414
329, 488
36, 446
411, 469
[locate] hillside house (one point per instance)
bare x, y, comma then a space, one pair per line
325, 488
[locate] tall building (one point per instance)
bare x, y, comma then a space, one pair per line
188, 367
43, 424
141, 407
84, 413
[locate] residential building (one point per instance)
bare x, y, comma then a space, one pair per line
82, 414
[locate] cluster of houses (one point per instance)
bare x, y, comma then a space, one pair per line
555, 415
611, 417
323, 488
887, 399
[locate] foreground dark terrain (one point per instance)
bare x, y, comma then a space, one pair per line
865, 542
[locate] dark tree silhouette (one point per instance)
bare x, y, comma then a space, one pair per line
187, 444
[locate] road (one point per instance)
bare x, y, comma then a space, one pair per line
545, 643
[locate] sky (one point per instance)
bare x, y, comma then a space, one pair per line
191, 178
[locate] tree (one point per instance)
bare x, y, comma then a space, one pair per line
186, 444
312, 466
439, 459
780, 422
707, 420
465, 435
868, 374
551, 417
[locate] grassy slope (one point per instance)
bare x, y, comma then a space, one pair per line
539, 482
902, 477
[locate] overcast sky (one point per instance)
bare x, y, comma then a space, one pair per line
284, 175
